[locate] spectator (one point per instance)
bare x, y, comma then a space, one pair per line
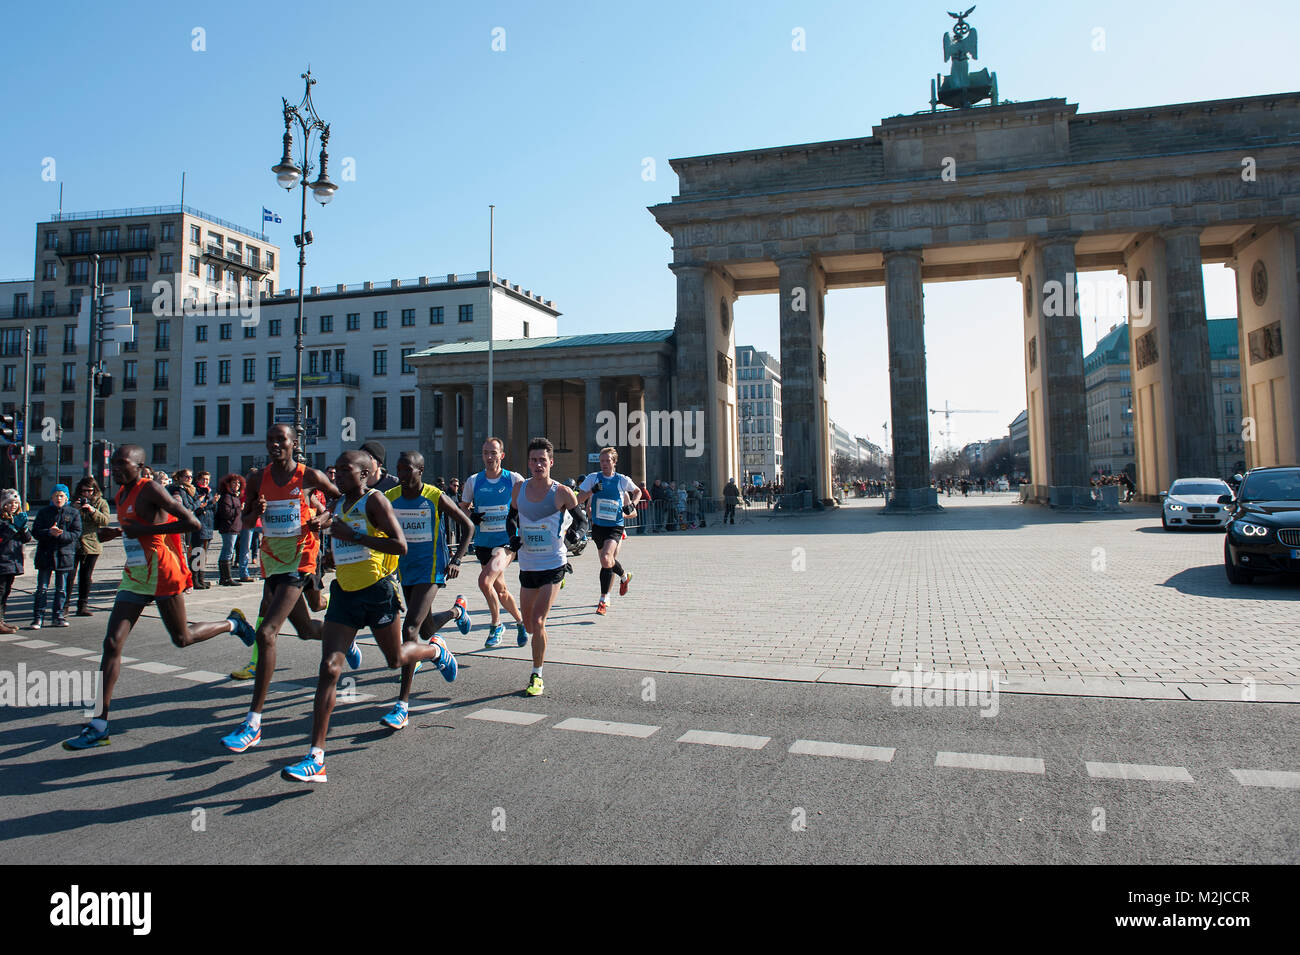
184, 491
731, 493
205, 509
57, 530
381, 480
227, 523
13, 535
245, 534
93, 509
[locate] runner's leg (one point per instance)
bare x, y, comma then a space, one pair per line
120, 621
182, 632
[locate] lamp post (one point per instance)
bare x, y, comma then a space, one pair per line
288, 174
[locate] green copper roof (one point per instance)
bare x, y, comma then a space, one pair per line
1223, 337
612, 339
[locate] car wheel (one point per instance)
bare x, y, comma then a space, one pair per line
1235, 574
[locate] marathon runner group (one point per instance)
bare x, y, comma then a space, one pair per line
383, 535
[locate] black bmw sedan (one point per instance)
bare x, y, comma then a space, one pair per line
1264, 533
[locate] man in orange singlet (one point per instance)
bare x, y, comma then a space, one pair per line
155, 571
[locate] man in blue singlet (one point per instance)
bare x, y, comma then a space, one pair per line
424, 567
488, 495
606, 489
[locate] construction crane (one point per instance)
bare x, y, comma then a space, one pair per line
947, 413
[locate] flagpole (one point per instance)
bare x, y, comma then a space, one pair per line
491, 284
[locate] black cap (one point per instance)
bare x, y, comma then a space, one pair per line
375, 450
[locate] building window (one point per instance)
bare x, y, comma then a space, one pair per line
270, 414
69, 376
11, 342
163, 335
52, 241
525, 329
408, 318
38, 379
169, 232
137, 268
128, 414
200, 373
326, 324
223, 420
254, 256
164, 262
354, 321
81, 240
194, 265
435, 314
67, 415
223, 371
250, 331
40, 340
159, 455
214, 274
160, 375
273, 328
134, 343
51, 272
10, 378
223, 331
273, 367
408, 412
69, 339
381, 362
313, 363
381, 319
325, 362
200, 333
270, 261
200, 420
249, 412
195, 235
108, 271
407, 367
467, 313
129, 374
250, 370
159, 414
379, 413
338, 359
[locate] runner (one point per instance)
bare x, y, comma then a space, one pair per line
281, 494
540, 505
424, 567
488, 494
607, 513
367, 541
155, 571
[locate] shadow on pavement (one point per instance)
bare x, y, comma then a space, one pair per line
1210, 581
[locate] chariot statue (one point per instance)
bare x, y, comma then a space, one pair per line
961, 88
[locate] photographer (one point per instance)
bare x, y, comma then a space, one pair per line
93, 510
57, 530
13, 535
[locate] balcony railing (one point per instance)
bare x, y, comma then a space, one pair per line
109, 247
154, 211
38, 311
322, 378
230, 257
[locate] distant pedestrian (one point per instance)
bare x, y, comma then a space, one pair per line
731, 494
57, 530
227, 523
13, 535
93, 509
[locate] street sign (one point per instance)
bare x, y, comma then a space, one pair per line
310, 423
288, 411
311, 440
282, 418
593, 457
19, 431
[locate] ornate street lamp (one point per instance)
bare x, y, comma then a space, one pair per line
289, 174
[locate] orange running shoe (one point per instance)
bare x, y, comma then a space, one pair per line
622, 585
601, 608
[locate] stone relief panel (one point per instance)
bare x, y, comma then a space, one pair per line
1146, 351
1265, 343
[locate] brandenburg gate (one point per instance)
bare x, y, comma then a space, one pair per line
1035, 190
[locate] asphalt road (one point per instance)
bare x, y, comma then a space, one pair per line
457, 787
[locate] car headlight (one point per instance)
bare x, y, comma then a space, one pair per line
1172, 506
1246, 529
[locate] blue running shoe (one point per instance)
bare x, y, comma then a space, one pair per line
522, 636
445, 663
306, 771
353, 656
397, 719
243, 629
242, 738
494, 638
462, 622
89, 739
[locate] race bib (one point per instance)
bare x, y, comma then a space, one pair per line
494, 519
351, 552
282, 519
608, 509
417, 525
538, 538
135, 556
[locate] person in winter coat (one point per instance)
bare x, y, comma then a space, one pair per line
228, 524
57, 530
93, 510
183, 490
13, 535
205, 509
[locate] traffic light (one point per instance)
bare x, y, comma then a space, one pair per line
7, 429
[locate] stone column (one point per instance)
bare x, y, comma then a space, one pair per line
803, 424
536, 426
476, 430
1061, 354
636, 465
1189, 355
656, 456
427, 435
694, 364
593, 404
908, 399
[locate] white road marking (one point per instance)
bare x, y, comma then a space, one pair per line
639, 730
9, 637
36, 644
1004, 764
74, 652
1175, 774
709, 738
201, 676
506, 716
1267, 777
810, 747
158, 668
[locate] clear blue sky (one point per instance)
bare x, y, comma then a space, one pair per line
553, 130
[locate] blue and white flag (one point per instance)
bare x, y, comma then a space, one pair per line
269, 216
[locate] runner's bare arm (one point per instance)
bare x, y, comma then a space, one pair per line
566, 499
466, 526
156, 495
380, 513
253, 508
320, 480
